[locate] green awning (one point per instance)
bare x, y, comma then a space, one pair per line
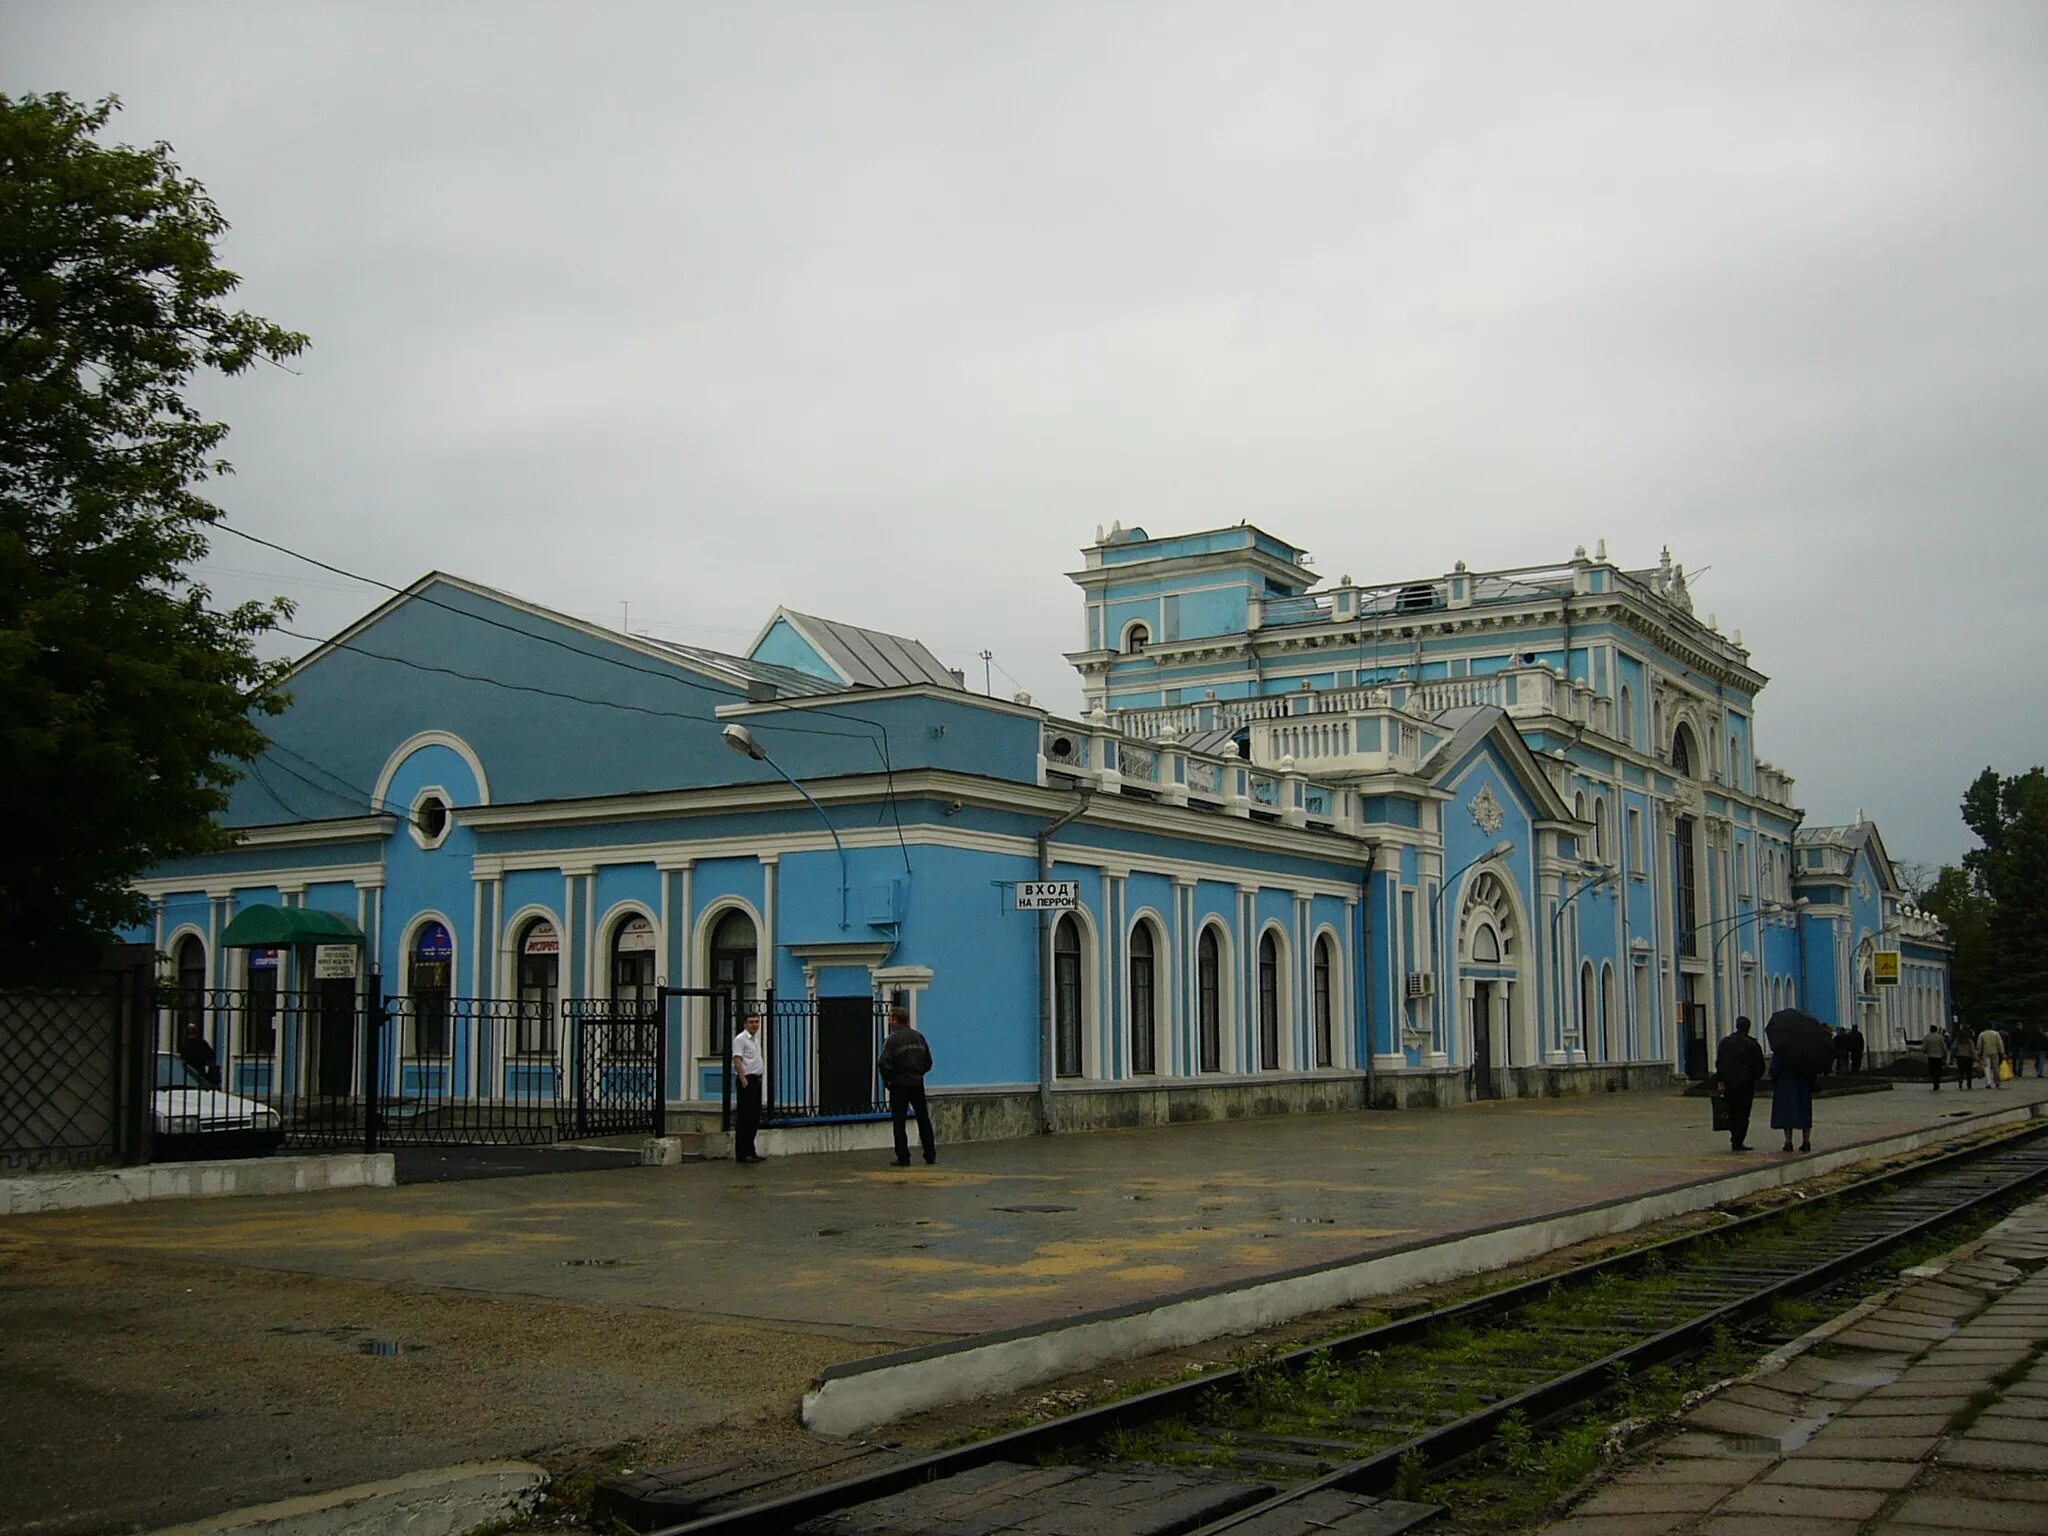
267, 927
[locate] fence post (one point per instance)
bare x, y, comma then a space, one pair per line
579, 1046
373, 1058
136, 1055
659, 1127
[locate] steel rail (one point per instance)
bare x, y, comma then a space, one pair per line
1439, 1447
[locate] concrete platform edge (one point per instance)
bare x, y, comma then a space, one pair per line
862, 1394
445, 1501
33, 1193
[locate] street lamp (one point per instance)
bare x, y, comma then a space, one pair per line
1499, 850
741, 740
1607, 875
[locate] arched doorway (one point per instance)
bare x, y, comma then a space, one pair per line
1144, 993
1209, 999
1491, 956
540, 986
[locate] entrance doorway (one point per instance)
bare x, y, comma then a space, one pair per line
334, 1064
1484, 1083
846, 1055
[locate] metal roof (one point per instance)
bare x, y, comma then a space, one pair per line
869, 658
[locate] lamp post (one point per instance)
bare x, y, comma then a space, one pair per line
1499, 850
1733, 924
1607, 875
741, 740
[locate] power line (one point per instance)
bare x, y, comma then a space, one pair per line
668, 675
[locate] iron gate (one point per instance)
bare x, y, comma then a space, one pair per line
72, 1087
821, 1057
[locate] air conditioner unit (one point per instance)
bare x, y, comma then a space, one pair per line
1421, 984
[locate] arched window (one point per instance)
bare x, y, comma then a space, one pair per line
540, 986
1627, 712
1209, 1000
1326, 1023
1681, 752
429, 979
1269, 1001
1066, 996
1587, 1006
1600, 829
1606, 1012
1144, 1003
1485, 945
734, 968
633, 945
1136, 638
191, 962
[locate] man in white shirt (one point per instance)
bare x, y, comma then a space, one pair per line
748, 1067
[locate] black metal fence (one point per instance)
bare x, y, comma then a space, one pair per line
73, 1057
821, 1057
330, 1067
619, 1066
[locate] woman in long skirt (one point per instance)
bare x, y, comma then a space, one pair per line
1791, 1104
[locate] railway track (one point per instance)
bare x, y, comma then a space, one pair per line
1341, 1437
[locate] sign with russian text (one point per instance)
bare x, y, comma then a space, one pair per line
1048, 895
335, 962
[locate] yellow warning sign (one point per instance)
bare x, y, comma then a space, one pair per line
1884, 968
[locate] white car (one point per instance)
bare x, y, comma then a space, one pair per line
192, 1119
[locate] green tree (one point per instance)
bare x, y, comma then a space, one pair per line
2009, 814
126, 702
1973, 959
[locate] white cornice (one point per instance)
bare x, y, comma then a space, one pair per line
222, 883
353, 829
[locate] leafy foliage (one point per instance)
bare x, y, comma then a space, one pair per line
126, 702
1996, 904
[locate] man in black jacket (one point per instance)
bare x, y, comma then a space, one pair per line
1738, 1068
906, 1057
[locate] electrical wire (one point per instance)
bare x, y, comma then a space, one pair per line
879, 740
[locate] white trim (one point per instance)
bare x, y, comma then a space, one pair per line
702, 927
418, 834
374, 828
231, 883
410, 1046
1089, 990
1226, 997
1162, 995
605, 935
412, 744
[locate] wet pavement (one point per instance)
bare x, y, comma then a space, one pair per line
270, 1346
999, 1234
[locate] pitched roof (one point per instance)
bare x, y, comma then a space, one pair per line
1471, 724
868, 658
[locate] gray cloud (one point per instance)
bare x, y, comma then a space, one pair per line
878, 310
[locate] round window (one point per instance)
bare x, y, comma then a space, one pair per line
431, 817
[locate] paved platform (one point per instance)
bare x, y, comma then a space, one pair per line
275, 1346
1924, 1413
1002, 1235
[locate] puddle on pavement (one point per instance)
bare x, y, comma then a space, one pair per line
387, 1349
831, 1232
592, 1263
1036, 1210
1776, 1445
1311, 1221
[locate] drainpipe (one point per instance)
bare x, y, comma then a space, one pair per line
1365, 958
1045, 1042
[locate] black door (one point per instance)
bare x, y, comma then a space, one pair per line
336, 1066
1696, 1063
1482, 1041
846, 1055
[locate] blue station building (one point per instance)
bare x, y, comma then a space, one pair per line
1481, 834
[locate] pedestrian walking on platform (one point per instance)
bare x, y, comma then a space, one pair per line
2034, 1043
1801, 1049
1991, 1055
1964, 1048
1738, 1068
1935, 1048
1855, 1048
906, 1058
749, 1067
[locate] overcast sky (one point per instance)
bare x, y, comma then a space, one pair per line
878, 310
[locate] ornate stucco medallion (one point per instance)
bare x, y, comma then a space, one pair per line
1487, 814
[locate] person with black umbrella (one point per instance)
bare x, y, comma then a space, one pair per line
1801, 1049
